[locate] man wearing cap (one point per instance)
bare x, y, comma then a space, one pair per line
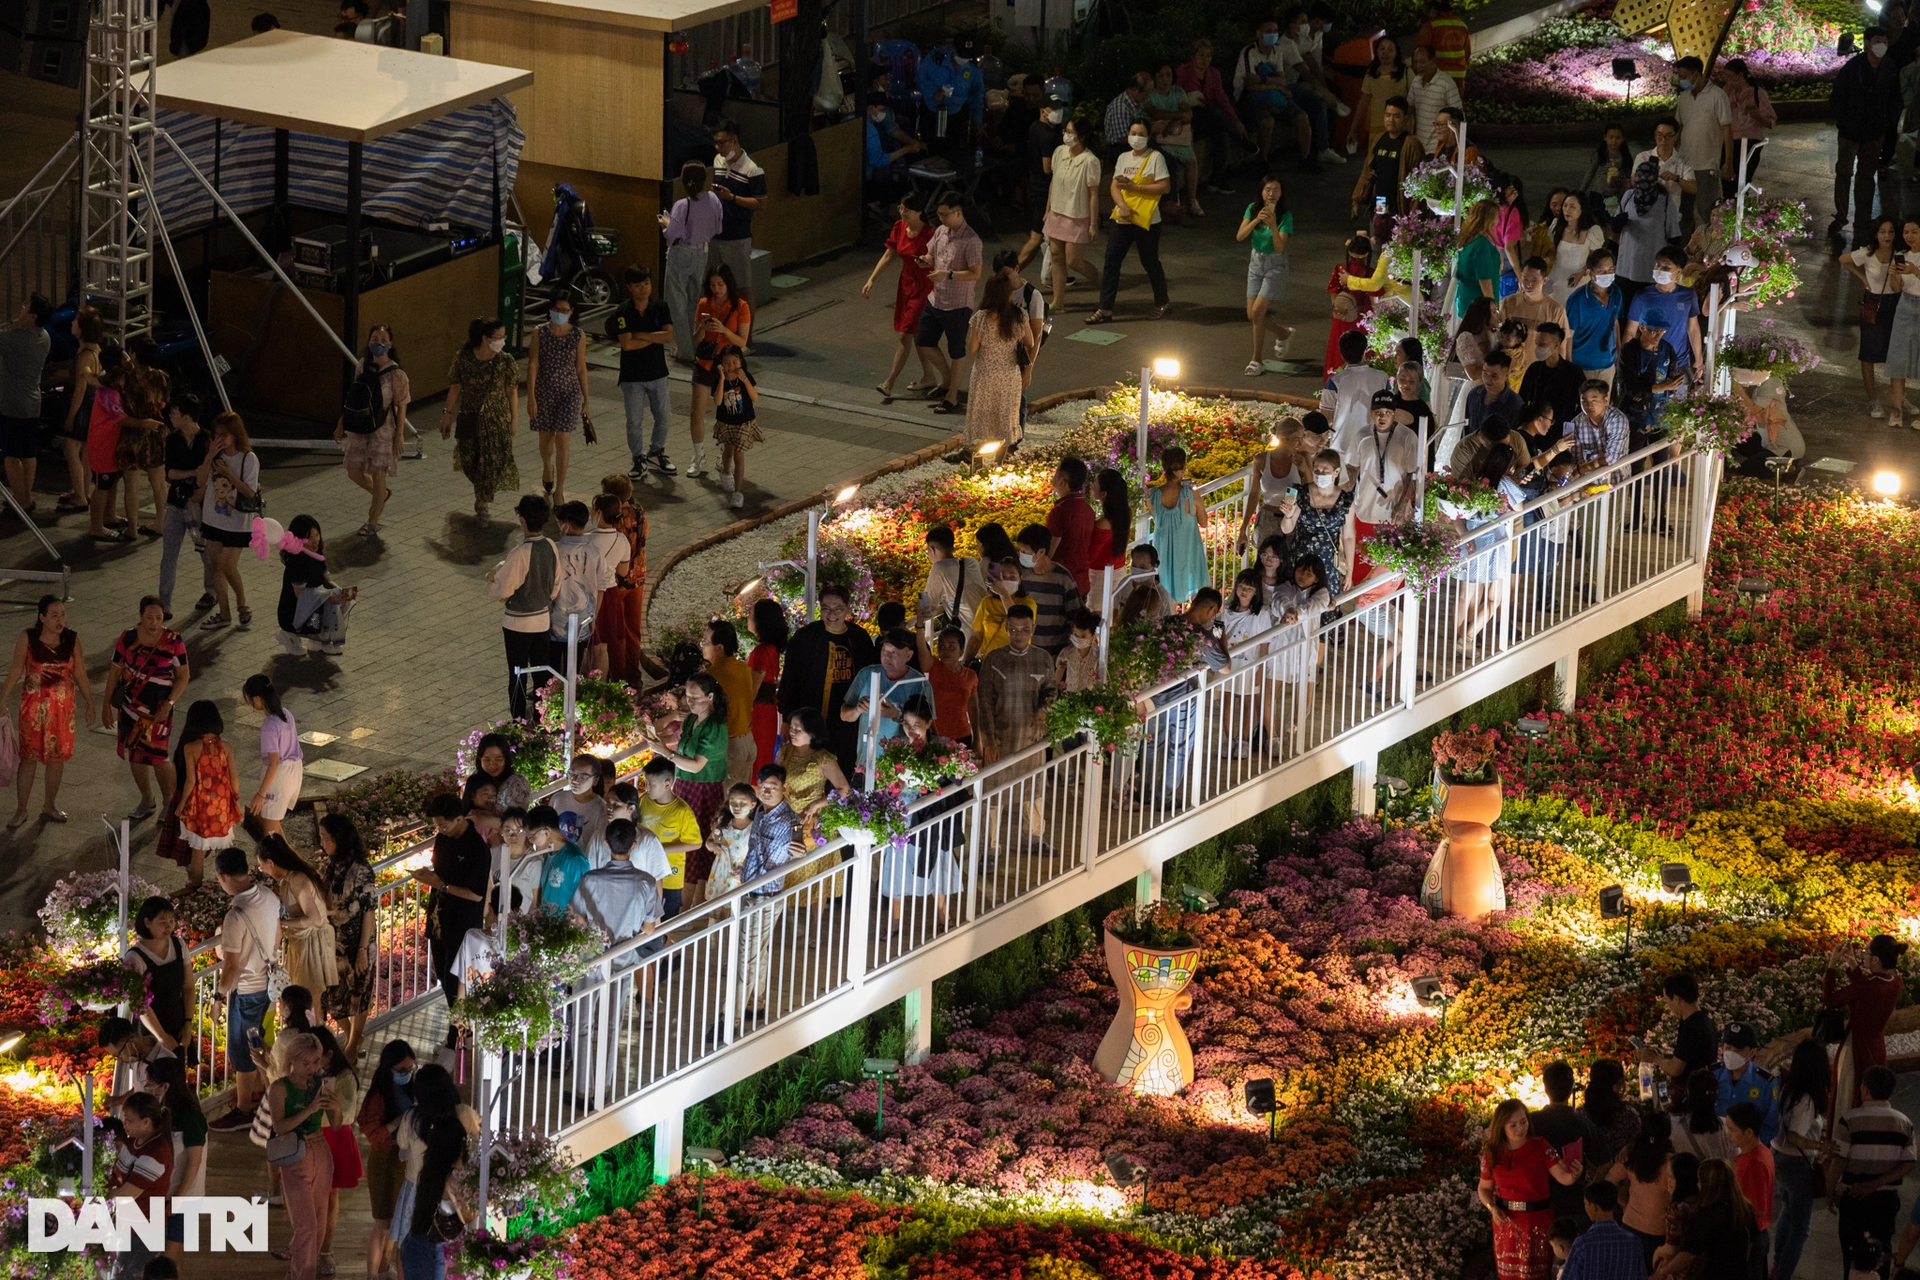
951, 85
1744, 1080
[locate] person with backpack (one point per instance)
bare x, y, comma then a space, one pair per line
372, 422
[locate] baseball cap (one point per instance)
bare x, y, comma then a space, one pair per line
1384, 399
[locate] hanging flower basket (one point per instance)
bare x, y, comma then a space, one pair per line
1459, 498
1768, 351
1434, 183
1145, 654
1104, 712
1423, 554
880, 814
94, 987
1386, 326
511, 1008
903, 768
1426, 232
83, 911
1711, 423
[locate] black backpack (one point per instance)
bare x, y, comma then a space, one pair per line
365, 405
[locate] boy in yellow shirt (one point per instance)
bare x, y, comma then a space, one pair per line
671, 820
990, 615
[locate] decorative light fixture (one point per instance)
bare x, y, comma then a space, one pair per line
1166, 367
1427, 993
1754, 591
1533, 729
1677, 877
1387, 789
880, 1070
1628, 70
846, 494
1194, 898
1886, 483
1128, 1172
10, 1040
703, 1159
1614, 906
1262, 1102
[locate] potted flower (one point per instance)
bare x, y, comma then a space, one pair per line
1103, 711
560, 945
481, 1256
1767, 352
1428, 233
96, 986
1459, 498
1712, 424
1463, 879
1143, 655
527, 1173
606, 717
1436, 181
901, 767
1152, 956
881, 815
83, 911
510, 1008
1386, 326
1421, 552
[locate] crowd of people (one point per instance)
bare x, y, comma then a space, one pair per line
1715, 1173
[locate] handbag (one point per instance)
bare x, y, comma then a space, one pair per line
447, 1226
347, 1169
466, 425
9, 751
261, 1132
1869, 309
586, 429
284, 1149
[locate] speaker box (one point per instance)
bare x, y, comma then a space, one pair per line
55, 61
55, 19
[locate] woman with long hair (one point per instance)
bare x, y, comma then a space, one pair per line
814, 776
1515, 1169
1000, 351
188, 1126
297, 1103
230, 478
768, 624
312, 607
1477, 263
1872, 265
1611, 172
700, 770
50, 669
617, 623
1699, 1129
1268, 224
907, 241
1510, 226
1644, 1173
437, 1116
353, 905
1277, 477
1572, 237
373, 423
1604, 1105
557, 397
388, 1098
1867, 984
306, 928
143, 1169
1716, 1239
280, 757
493, 760
485, 379
151, 662
207, 805
1475, 338
1113, 530
1803, 1091
442, 1143
1386, 77
722, 319
693, 222
89, 332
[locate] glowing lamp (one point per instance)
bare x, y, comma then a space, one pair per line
10, 1040
989, 448
1164, 367
1886, 483
846, 494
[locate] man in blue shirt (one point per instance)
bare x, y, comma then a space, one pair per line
1593, 313
885, 152
899, 682
1675, 308
770, 843
565, 862
951, 84
1605, 1250
1743, 1080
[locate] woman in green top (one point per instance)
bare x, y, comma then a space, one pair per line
483, 378
297, 1103
1269, 224
1476, 267
700, 764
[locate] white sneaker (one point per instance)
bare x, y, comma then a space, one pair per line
1342, 109
698, 467
726, 482
738, 500
1254, 369
291, 643
1330, 156
1878, 410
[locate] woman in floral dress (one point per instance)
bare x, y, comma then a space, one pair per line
1317, 524
1516, 1169
556, 393
485, 378
352, 906
150, 673
49, 667
997, 337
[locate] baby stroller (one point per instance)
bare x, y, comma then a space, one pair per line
575, 249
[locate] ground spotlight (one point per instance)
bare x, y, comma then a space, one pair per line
1886, 483
1128, 1172
880, 1070
1755, 590
703, 1159
1262, 1102
1677, 877
1165, 367
1194, 898
1428, 994
1614, 906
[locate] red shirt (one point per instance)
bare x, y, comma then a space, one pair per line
1520, 1175
144, 1171
952, 694
1071, 521
1753, 1170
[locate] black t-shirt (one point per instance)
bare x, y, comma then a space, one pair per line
183, 455
1562, 1126
300, 572
463, 861
1697, 1044
642, 364
1042, 138
1559, 386
1385, 163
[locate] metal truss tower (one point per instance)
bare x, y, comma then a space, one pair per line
116, 211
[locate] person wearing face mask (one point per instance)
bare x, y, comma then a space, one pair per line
989, 630
483, 404
741, 186
372, 422
1318, 525
1865, 106
1140, 179
953, 95
885, 168
1042, 141
1741, 1079
1050, 587
1141, 597
1593, 319
1073, 206
557, 400
1706, 136
1675, 309
1550, 376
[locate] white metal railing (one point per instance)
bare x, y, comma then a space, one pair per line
737, 968
403, 981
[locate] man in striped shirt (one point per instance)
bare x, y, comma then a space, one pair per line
1052, 589
1872, 1152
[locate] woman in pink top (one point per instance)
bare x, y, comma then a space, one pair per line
694, 220
1510, 232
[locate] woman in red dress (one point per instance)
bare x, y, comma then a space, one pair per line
1359, 263
907, 241
768, 623
1116, 518
1515, 1168
49, 669
1871, 994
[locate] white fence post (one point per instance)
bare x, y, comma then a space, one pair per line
860, 906
1566, 677
919, 1018
669, 1143
1364, 772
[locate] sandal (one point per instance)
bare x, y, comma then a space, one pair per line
367, 530
214, 621
886, 392
53, 815
246, 617
19, 819
1100, 317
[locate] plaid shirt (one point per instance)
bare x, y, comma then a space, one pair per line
1121, 113
767, 846
1605, 1251
1604, 443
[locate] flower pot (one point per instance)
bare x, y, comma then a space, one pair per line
1463, 879
1444, 208
1145, 1048
99, 1006
1748, 377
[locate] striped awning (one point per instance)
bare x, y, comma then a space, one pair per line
435, 171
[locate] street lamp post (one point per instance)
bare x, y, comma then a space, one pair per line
1163, 367
569, 679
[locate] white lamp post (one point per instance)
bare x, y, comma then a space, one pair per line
1162, 367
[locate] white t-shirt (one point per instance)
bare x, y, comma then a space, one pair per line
1347, 400
1878, 273
1142, 166
251, 931
1242, 627
1702, 115
217, 509
1802, 1120
525, 877
1073, 177
1288, 56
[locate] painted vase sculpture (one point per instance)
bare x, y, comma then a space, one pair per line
1464, 877
1145, 1049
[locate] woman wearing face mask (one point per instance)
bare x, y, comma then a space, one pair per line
389, 1097
1320, 525
557, 401
372, 424
1140, 179
483, 404
1872, 265
1073, 208
1903, 342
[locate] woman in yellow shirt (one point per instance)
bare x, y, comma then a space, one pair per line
1386, 78
990, 615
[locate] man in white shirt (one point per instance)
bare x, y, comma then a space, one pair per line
1676, 175
955, 584
526, 583
1429, 90
1706, 134
248, 939
1384, 461
1349, 391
